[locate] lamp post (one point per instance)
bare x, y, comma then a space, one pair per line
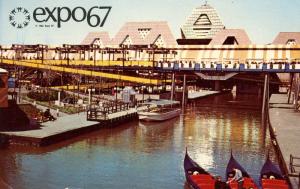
89, 90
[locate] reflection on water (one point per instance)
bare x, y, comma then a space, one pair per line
146, 155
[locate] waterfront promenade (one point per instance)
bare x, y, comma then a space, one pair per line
285, 122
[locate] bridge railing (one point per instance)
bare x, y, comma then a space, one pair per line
231, 66
274, 65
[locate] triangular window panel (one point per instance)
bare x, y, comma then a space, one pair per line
230, 40
144, 32
98, 42
202, 20
127, 41
159, 41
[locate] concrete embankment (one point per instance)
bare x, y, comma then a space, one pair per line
285, 130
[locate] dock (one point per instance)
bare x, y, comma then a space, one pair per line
65, 127
285, 127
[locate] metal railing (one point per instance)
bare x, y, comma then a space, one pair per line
102, 112
293, 164
294, 168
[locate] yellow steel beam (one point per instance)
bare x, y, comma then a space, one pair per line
38, 65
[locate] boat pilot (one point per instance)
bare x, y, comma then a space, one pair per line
238, 177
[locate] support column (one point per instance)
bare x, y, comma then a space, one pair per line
265, 99
291, 86
173, 86
184, 91
19, 83
217, 86
296, 94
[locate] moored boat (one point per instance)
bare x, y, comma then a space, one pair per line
160, 110
271, 177
248, 181
196, 176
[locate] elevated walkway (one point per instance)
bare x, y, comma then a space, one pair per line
105, 63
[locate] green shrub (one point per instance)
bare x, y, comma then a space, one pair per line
45, 96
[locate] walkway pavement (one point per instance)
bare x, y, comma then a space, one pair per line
286, 123
202, 93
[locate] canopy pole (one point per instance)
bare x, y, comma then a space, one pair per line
265, 99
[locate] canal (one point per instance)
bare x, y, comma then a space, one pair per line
146, 155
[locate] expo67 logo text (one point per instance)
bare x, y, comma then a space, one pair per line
56, 16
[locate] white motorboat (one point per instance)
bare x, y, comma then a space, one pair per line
159, 110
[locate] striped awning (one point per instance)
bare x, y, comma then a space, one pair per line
250, 53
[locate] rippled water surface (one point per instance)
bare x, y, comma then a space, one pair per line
146, 155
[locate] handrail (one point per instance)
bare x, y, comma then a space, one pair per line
292, 163
102, 112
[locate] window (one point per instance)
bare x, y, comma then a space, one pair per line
202, 20
291, 42
230, 40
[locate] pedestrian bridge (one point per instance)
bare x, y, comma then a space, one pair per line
217, 58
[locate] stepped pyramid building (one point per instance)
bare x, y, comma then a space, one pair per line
202, 24
204, 27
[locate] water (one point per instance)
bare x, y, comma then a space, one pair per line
143, 155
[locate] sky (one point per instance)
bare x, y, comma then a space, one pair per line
262, 19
